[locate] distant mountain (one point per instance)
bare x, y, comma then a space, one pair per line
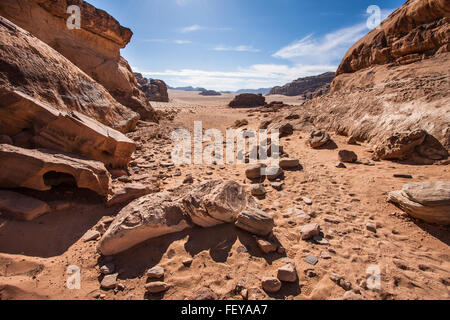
262, 91
210, 93
309, 87
189, 88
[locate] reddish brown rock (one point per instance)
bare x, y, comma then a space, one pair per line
154, 90
42, 169
248, 100
308, 87
20, 206
95, 48
32, 68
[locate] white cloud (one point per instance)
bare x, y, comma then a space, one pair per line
255, 76
197, 27
241, 48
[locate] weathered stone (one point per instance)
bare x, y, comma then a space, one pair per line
271, 284
91, 235
216, 202
248, 100
273, 173
255, 221
21, 207
312, 260
156, 287
42, 74
371, 227
42, 169
129, 193
287, 273
277, 185
109, 281
347, 156
289, 163
70, 132
254, 171
204, 294
428, 201
307, 201
155, 273
107, 268
318, 138
309, 231
266, 246
148, 217
258, 190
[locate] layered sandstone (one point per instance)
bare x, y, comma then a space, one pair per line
31, 67
308, 87
95, 48
154, 90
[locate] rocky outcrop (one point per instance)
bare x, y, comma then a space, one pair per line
308, 87
32, 123
427, 201
248, 100
210, 93
416, 145
42, 169
416, 31
95, 48
29, 66
318, 138
21, 207
154, 90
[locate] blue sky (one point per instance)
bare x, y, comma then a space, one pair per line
237, 44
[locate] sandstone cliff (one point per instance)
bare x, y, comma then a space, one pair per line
95, 48
309, 87
154, 90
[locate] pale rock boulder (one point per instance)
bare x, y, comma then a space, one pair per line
35, 69
427, 201
216, 202
255, 221
73, 132
21, 207
42, 169
318, 138
145, 218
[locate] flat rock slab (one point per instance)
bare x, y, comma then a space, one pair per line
427, 201
40, 169
255, 221
312, 260
129, 193
21, 207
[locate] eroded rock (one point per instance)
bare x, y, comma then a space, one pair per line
21, 207
255, 221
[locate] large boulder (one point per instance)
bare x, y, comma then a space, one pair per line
31, 67
255, 221
427, 201
21, 207
45, 127
216, 202
95, 48
42, 169
411, 145
318, 138
154, 90
148, 217
248, 100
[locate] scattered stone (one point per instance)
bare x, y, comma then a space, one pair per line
271, 284
289, 163
309, 231
428, 201
274, 172
266, 246
156, 287
277, 185
341, 165
403, 176
325, 255
205, 294
340, 281
318, 138
258, 190
321, 240
255, 221
129, 193
371, 227
312, 260
350, 295
254, 171
107, 269
347, 156
156, 272
352, 140
287, 273
21, 207
109, 281
91, 235
188, 179
307, 201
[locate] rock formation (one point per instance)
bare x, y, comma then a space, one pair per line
42, 169
95, 48
427, 201
39, 125
248, 100
308, 87
210, 93
154, 90
31, 67
21, 207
